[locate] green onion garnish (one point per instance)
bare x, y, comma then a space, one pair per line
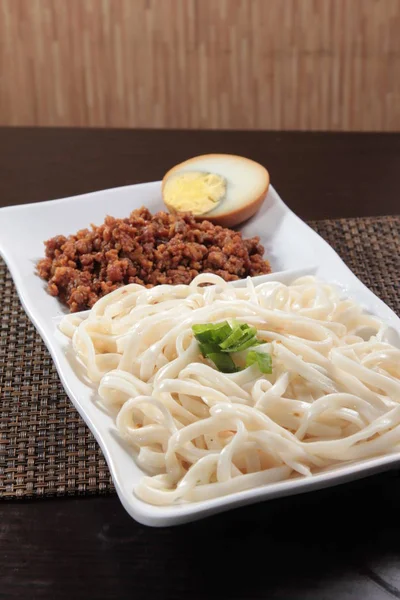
212, 332
218, 340
247, 340
223, 362
263, 359
233, 339
207, 348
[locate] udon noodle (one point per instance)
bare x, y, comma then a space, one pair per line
333, 395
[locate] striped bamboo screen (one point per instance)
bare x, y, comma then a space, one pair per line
270, 64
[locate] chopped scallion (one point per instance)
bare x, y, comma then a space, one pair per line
217, 341
223, 362
263, 359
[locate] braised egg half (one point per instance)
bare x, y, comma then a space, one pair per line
223, 188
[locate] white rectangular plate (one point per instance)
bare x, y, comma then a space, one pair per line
292, 248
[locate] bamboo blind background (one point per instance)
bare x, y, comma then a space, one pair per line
274, 64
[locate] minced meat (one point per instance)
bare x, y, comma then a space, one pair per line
146, 249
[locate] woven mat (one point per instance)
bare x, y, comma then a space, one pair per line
45, 447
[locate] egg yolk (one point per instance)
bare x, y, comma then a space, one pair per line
194, 192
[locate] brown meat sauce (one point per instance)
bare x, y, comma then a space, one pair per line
146, 249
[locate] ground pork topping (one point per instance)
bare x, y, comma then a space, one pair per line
146, 249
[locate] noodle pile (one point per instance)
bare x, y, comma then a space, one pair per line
333, 395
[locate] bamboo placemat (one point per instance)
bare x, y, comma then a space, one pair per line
46, 448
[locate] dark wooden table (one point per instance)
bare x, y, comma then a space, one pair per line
339, 543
